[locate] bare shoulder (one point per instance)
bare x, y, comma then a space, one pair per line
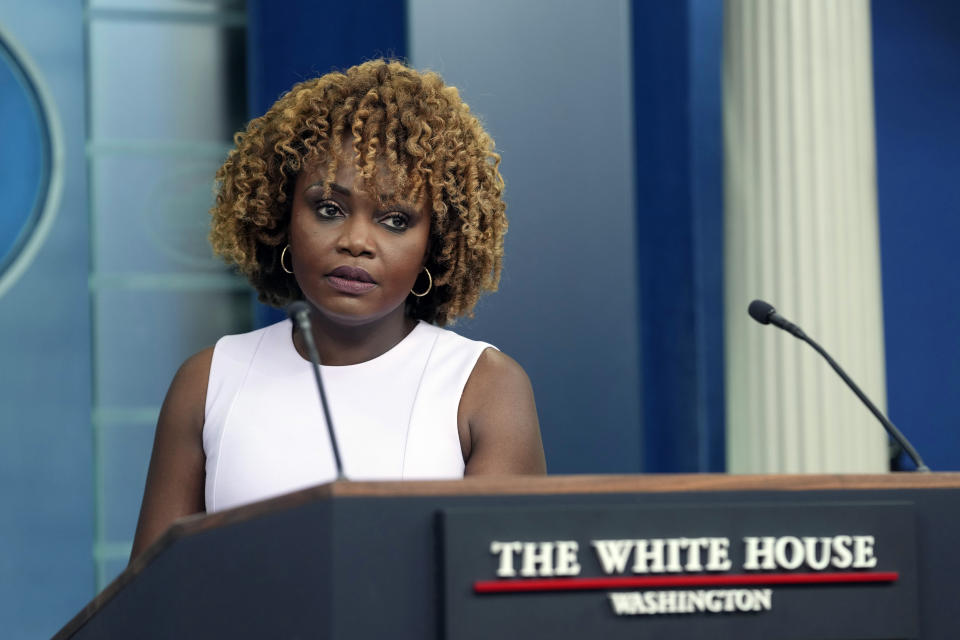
188, 390
175, 478
196, 366
185, 403
495, 368
500, 431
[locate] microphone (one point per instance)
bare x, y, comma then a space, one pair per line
299, 313
764, 313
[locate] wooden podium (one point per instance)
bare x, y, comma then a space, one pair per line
703, 556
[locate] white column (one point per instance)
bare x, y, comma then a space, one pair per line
801, 232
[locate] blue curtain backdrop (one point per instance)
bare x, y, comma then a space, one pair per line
679, 180
916, 62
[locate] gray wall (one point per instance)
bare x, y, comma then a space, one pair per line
551, 80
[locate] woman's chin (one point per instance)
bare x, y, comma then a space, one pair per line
349, 313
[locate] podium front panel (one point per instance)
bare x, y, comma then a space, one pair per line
384, 561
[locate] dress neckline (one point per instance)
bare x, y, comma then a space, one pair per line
291, 354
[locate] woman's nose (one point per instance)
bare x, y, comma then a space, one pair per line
355, 237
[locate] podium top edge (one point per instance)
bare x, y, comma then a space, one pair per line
569, 485
648, 483
578, 485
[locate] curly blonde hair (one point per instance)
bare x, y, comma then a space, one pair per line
402, 121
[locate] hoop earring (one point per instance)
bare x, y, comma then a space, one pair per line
429, 285
283, 266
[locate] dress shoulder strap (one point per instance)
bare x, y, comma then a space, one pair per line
232, 358
434, 439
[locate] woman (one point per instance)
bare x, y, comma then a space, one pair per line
374, 196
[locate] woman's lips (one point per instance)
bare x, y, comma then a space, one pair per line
350, 286
352, 280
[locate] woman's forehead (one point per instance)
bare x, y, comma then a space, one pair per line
390, 181
386, 186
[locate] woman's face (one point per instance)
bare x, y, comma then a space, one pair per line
354, 260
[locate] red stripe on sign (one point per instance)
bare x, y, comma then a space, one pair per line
626, 582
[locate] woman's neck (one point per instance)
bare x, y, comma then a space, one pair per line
343, 344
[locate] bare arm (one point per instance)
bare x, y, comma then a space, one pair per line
499, 429
175, 480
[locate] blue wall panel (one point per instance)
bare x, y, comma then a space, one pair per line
916, 54
677, 97
299, 39
46, 492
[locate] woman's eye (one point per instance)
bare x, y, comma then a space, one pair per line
328, 210
396, 222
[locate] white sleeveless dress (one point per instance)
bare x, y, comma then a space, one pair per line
395, 416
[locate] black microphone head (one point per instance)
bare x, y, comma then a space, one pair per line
297, 307
761, 311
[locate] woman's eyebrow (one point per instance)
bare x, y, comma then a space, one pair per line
390, 198
333, 187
